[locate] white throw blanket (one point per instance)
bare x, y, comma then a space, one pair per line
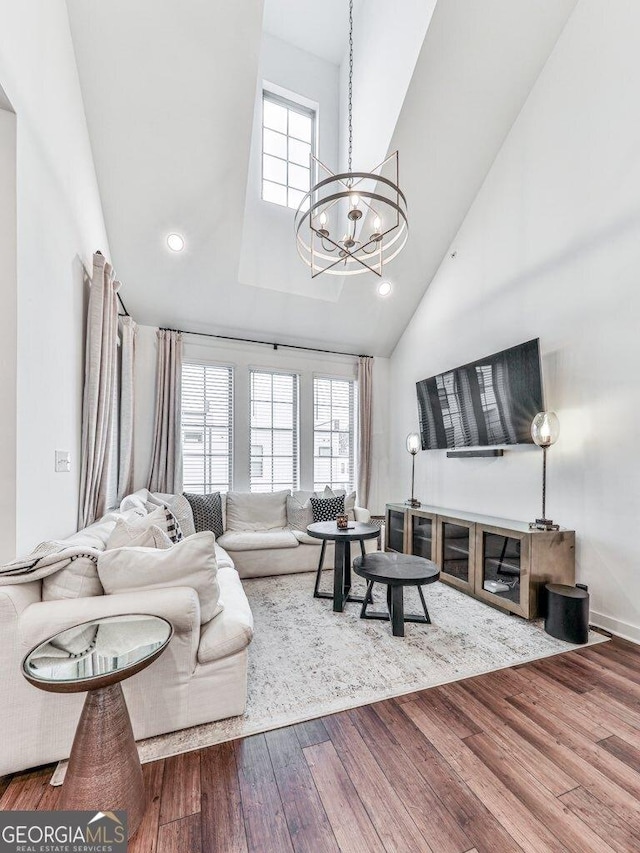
46, 559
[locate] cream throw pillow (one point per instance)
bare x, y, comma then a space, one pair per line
130, 528
79, 579
178, 505
132, 536
299, 513
191, 562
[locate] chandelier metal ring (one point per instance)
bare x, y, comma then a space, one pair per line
386, 240
342, 177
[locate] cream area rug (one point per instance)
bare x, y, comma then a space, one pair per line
306, 661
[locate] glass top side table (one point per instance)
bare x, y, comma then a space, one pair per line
104, 771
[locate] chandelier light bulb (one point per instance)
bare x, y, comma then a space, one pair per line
175, 242
323, 219
377, 224
355, 200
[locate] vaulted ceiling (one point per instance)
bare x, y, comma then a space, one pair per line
169, 91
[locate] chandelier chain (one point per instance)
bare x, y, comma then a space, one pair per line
350, 84
375, 227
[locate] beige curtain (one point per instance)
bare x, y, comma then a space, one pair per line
128, 329
166, 462
365, 427
100, 378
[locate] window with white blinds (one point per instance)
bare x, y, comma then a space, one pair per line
274, 426
333, 433
207, 427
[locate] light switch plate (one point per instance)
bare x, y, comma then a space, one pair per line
63, 461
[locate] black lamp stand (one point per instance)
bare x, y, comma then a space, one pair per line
544, 523
412, 500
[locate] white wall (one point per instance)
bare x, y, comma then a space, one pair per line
386, 46
59, 225
8, 338
269, 257
551, 248
242, 357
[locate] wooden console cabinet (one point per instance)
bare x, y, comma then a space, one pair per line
497, 560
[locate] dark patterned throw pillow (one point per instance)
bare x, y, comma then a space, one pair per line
207, 512
327, 509
174, 531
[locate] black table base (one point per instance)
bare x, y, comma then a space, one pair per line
395, 609
341, 575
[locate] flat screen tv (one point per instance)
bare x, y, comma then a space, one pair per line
491, 401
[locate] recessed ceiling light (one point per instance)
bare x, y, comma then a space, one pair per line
175, 242
384, 288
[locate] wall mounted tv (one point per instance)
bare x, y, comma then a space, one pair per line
489, 402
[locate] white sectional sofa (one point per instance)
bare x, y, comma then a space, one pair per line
202, 677
261, 540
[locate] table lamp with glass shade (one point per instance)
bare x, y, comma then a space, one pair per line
545, 430
413, 446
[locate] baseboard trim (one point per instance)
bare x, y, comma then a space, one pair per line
615, 626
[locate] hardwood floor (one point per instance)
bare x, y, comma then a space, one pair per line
543, 758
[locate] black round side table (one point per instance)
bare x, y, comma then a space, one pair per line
329, 531
567, 612
396, 571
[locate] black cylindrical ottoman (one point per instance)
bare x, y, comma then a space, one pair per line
567, 612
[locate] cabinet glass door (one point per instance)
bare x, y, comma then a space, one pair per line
422, 530
456, 548
395, 531
501, 566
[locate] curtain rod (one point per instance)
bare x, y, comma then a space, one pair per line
247, 340
124, 307
264, 343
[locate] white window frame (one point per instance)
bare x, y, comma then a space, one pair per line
259, 459
208, 485
352, 432
297, 107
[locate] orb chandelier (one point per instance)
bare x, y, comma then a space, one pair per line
351, 223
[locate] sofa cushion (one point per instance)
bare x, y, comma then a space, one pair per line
222, 558
327, 509
191, 562
303, 537
207, 512
256, 511
232, 630
257, 540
